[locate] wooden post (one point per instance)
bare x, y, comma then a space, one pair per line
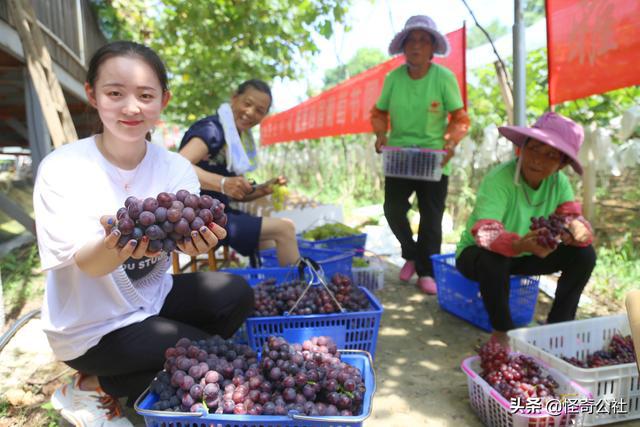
40, 66
175, 261
507, 96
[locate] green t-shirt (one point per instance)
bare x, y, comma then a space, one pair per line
501, 200
418, 108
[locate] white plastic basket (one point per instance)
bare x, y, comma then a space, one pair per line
412, 163
495, 411
370, 277
578, 339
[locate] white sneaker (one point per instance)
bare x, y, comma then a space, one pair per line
88, 408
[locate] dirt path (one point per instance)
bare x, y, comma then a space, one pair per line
418, 361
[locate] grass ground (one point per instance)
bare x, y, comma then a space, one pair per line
21, 193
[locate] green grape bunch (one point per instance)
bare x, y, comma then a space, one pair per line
278, 196
360, 262
329, 231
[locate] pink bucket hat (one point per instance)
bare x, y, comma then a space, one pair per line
424, 23
557, 131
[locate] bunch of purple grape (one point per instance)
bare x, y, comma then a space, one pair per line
312, 378
514, 376
272, 299
222, 377
549, 230
619, 351
167, 219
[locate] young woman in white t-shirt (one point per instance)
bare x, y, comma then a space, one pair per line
110, 312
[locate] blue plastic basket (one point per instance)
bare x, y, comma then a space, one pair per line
152, 418
461, 296
331, 261
352, 330
257, 275
347, 243
356, 330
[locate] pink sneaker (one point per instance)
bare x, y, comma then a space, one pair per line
407, 271
427, 285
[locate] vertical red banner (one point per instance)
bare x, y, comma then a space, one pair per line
593, 47
344, 109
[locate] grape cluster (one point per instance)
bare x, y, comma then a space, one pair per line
222, 377
619, 351
549, 229
280, 193
514, 376
329, 231
167, 219
272, 299
312, 378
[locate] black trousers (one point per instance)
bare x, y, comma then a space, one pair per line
492, 270
198, 306
431, 197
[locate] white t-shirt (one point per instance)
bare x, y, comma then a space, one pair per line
74, 187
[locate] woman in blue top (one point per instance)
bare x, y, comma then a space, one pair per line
206, 146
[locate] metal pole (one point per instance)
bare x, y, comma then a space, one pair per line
519, 65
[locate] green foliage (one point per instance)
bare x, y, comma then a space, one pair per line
601, 109
485, 106
364, 59
343, 170
475, 36
617, 269
483, 101
533, 12
52, 414
127, 19
18, 270
4, 408
45, 414
210, 46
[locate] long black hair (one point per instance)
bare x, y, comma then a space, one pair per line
131, 49
127, 48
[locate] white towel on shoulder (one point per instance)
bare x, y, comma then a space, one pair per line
237, 159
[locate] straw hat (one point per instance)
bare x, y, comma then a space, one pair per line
420, 22
557, 131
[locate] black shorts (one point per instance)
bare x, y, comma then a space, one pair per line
243, 232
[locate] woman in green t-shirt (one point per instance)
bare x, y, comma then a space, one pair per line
418, 97
498, 242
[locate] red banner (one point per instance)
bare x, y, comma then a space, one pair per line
593, 47
344, 109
